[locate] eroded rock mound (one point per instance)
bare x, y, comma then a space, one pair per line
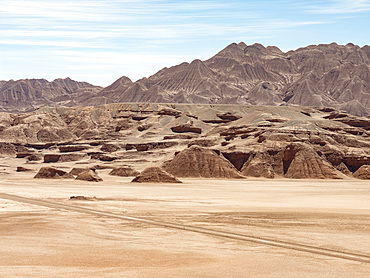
89, 175
200, 162
155, 174
188, 127
52, 173
124, 172
76, 171
258, 168
363, 172
300, 161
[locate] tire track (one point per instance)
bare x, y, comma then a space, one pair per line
353, 256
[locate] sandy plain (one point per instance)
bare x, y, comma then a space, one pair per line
36, 241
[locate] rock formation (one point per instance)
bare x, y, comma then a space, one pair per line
52, 173
89, 175
302, 162
200, 163
363, 172
155, 175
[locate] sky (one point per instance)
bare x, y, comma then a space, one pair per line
99, 41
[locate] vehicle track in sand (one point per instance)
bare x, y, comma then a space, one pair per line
353, 256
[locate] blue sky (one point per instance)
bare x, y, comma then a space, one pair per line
99, 41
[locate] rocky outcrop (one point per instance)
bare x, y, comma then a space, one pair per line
155, 175
124, 172
52, 173
76, 171
363, 172
200, 162
72, 148
89, 175
109, 148
186, 128
301, 162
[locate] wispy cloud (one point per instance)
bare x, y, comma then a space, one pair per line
341, 7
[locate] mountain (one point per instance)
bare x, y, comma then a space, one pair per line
29, 94
328, 75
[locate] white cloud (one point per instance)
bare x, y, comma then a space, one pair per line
342, 7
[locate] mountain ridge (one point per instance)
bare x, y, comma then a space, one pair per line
324, 75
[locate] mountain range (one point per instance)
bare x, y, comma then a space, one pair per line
325, 75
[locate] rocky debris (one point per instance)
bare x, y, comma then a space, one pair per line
363, 172
34, 157
7, 148
103, 157
138, 117
89, 175
109, 148
170, 112
124, 172
188, 127
143, 127
300, 161
39, 146
155, 175
142, 147
23, 155
82, 198
72, 148
200, 162
150, 145
52, 173
179, 136
23, 169
228, 117
50, 158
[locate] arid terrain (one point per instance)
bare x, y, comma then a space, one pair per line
221, 191
44, 242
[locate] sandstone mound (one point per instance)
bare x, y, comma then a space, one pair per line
200, 162
89, 175
124, 172
258, 168
155, 174
76, 171
300, 161
363, 172
52, 173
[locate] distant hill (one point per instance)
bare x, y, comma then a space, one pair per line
329, 75
325, 75
29, 94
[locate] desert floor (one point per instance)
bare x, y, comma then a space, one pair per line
37, 241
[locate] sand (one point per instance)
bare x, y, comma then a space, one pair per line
42, 242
